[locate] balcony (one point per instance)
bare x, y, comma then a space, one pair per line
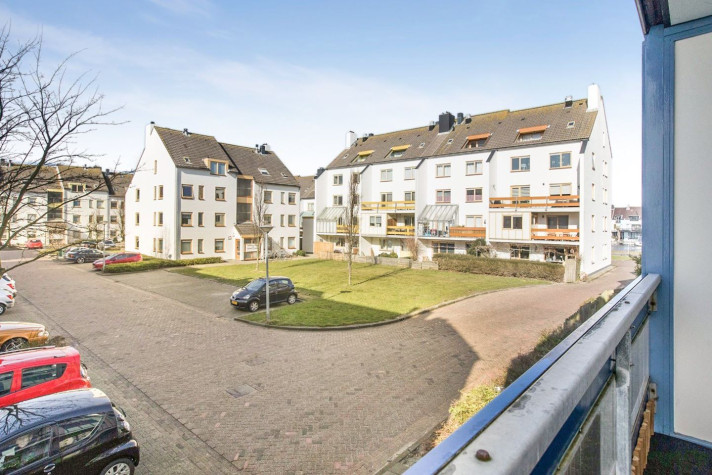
577, 410
555, 234
344, 229
467, 232
400, 230
388, 206
519, 202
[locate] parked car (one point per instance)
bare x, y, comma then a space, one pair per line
83, 255
78, 431
120, 258
15, 335
253, 295
8, 284
90, 244
7, 300
35, 372
106, 244
34, 244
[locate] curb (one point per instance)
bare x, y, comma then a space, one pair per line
400, 318
407, 449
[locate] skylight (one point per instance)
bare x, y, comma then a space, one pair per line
422, 144
187, 160
264, 171
571, 124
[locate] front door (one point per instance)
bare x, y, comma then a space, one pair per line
237, 249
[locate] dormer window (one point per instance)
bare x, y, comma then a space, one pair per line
529, 134
217, 168
398, 151
362, 156
477, 141
78, 188
263, 171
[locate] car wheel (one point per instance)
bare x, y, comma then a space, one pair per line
13, 344
80, 260
119, 467
291, 299
2, 308
253, 306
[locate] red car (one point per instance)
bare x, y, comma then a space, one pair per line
34, 244
34, 372
121, 258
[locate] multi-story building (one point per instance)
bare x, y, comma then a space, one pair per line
192, 196
86, 198
534, 183
306, 213
628, 224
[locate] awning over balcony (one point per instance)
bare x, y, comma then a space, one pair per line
438, 213
307, 214
332, 213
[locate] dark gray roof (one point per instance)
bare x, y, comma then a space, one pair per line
119, 183
248, 229
189, 151
92, 177
13, 178
306, 187
503, 126
628, 211
249, 162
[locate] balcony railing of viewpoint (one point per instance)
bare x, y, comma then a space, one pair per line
521, 202
555, 234
577, 410
388, 206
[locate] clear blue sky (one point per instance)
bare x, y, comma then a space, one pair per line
298, 75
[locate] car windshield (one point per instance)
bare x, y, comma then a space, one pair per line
255, 285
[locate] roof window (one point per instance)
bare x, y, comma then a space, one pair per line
477, 140
422, 144
450, 141
186, 159
398, 151
284, 175
529, 134
264, 171
571, 124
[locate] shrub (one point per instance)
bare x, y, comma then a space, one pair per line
153, 263
388, 254
300, 253
637, 258
501, 267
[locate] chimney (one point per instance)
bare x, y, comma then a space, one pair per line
445, 122
460, 118
185, 132
319, 172
350, 138
594, 97
149, 131
262, 149
568, 102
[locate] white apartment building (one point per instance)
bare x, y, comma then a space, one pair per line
628, 224
192, 196
534, 183
306, 212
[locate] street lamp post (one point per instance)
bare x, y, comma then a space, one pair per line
265, 231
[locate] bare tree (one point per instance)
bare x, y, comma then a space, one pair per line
352, 203
41, 116
259, 210
413, 246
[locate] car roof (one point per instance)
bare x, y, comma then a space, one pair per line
21, 358
275, 277
35, 412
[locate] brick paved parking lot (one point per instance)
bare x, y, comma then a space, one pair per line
206, 394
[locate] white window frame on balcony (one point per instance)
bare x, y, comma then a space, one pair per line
375, 221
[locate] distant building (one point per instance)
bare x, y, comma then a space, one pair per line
628, 224
306, 213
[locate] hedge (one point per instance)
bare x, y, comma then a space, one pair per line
153, 263
501, 267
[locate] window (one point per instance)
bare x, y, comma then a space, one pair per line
593, 161
100, 204
219, 194
186, 219
375, 221
268, 220
605, 224
520, 164
520, 191
560, 160
281, 200
200, 219
291, 242
217, 168
155, 167
219, 245
186, 246
444, 248
138, 195
201, 192
138, 219
557, 222
473, 195
292, 198
30, 217
73, 431
519, 252
511, 222
99, 219
200, 246
605, 196
267, 196
398, 151
76, 219
560, 189
473, 168
26, 449
41, 374
5, 383
338, 200
91, 203
593, 192
310, 206
476, 143
527, 134
220, 220
78, 203
388, 196
281, 242
473, 221
186, 192
571, 124
338, 179
115, 204
159, 245
77, 188
410, 195
409, 173
442, 170
292, 220
263, 171
387, 174
442, 196
281, 220
136, 243
593, 223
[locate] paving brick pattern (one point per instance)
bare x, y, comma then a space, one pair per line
206, 394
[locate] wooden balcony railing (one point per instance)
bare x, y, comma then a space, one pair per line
400, 230
388, 206
344, 229
555, 234
567, 201
465, 232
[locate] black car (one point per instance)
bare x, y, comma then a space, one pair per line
253, 295
65, 433
84, 254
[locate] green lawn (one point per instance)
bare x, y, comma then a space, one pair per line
377, 292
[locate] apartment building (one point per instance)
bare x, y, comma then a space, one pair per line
306, 213
192, 196
534, 183
628, 224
